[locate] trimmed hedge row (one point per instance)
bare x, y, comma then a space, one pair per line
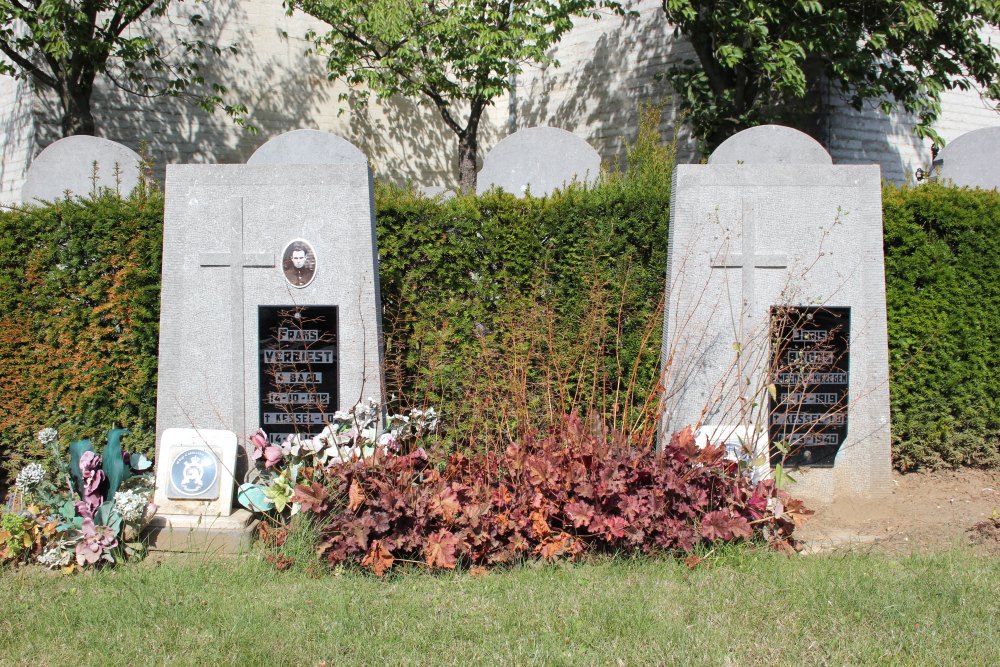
473, 287
79, 314
943, 291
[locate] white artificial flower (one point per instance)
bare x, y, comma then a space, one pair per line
29, 478
54, 557
131, 505
292, 445
47, 436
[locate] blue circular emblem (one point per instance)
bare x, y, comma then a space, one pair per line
194, 472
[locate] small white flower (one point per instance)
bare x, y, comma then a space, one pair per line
131, 505
47, 436
54, 557
29, 478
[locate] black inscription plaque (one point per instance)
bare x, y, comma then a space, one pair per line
810, 366
298, 369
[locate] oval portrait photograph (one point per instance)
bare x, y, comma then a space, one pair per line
298, 261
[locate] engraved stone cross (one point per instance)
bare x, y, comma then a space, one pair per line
748, 260
236, 260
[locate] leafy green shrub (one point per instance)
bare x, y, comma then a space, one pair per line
942, 249
79, 315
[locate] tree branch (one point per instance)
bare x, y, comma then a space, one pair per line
442, 106
115, 28
29, 67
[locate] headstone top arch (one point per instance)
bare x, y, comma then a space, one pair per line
307, 147
68, 165
971, 160
770, 144
539, 160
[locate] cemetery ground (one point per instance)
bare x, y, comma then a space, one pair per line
897, 581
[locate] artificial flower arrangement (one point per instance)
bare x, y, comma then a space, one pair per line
286, 474
90, 512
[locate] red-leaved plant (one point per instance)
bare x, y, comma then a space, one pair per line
558, 496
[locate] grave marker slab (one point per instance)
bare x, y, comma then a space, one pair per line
68, 165
242, 245
539, 160
972, 160
308, 147
749, 241
770, 144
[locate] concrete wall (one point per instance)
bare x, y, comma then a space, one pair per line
17, 137
608, 68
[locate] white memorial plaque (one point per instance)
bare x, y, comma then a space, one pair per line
194, 472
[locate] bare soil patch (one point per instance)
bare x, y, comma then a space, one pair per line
927, 511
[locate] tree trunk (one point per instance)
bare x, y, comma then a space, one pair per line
77, 115
468, 145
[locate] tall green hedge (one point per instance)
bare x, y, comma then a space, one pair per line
943, 292
79, 312
476, 285
495, 290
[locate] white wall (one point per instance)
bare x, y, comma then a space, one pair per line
17, 137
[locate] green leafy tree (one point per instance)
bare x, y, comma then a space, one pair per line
64, 45
756, 58
458, 55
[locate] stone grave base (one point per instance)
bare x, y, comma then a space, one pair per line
192, 533
827, 485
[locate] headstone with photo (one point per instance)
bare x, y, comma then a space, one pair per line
972, 160
775, 320
270, 313
81, 165
539, 160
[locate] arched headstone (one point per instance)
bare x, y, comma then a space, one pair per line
539, 159
972, 160
68, 165
770, 144
308, 147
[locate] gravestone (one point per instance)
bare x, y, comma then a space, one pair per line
68, 165
270, 313
770, 144
539, 160
308, 147
775, 316
972, 160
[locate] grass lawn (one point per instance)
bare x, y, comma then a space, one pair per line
746, 609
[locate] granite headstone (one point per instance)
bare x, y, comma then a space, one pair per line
68, 165
270, 313
972, 160
776, 316
539, 160
770, 144
308, 147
